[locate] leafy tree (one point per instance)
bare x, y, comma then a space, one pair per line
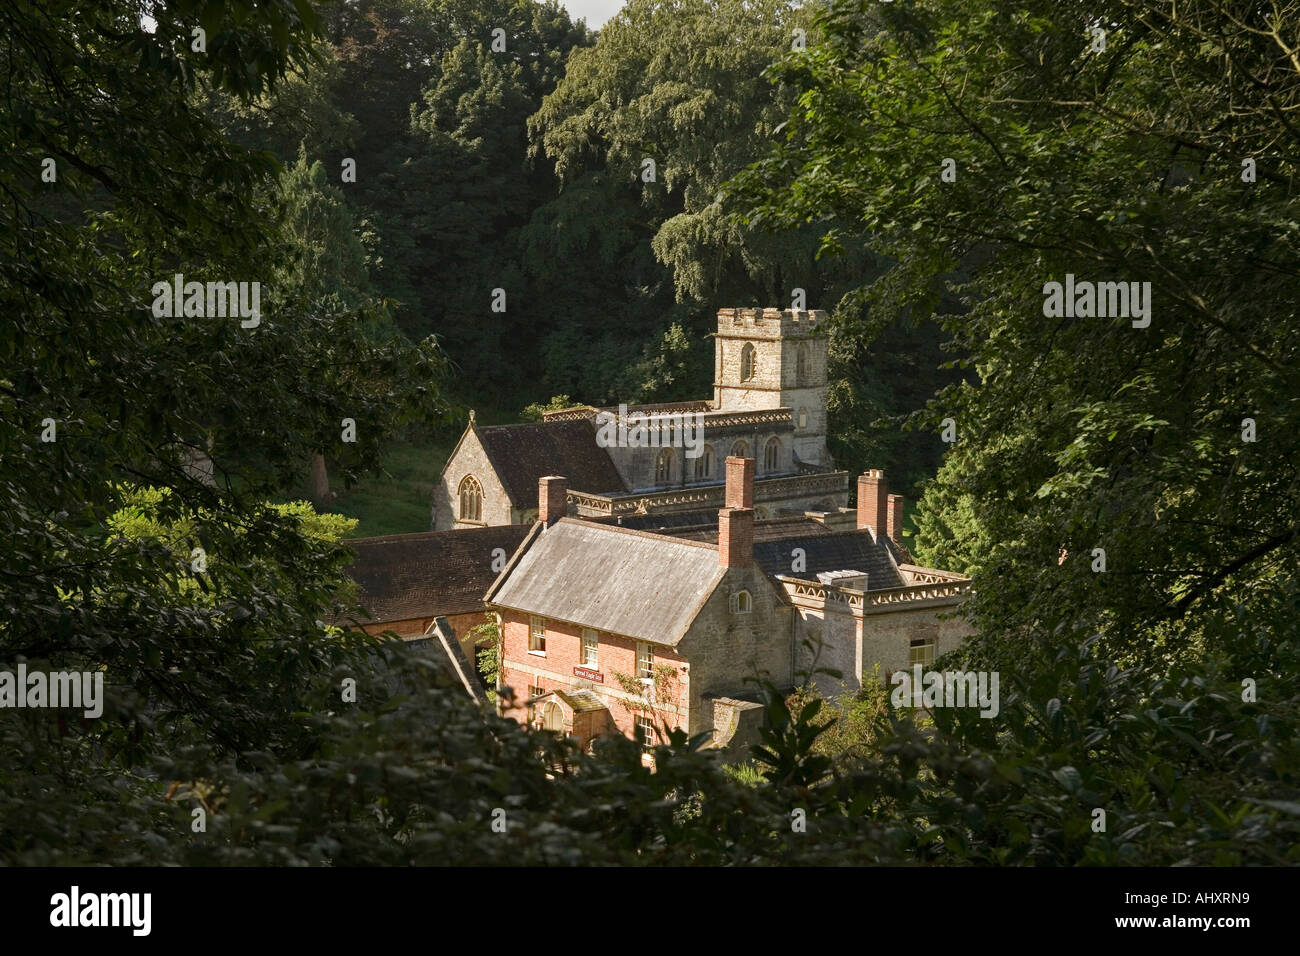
157, 190
1074, 157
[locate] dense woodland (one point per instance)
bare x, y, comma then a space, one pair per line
1125, 498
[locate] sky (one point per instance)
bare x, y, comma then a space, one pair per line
596, 12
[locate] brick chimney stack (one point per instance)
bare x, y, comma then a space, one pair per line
896, 519
873, 504
736, 519
740, 483
552, 499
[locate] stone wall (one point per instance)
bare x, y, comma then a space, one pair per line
469, 458
724, 648
887, 637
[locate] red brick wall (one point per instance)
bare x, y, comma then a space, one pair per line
564, 652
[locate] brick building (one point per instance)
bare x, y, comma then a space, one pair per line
615, 629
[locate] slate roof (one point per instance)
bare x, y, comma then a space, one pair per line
632, 583
431, 573
521, 454
767, 529
831, 551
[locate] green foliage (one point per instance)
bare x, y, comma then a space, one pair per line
535, 411
1084, 433
857, 718
487, 637
397, 500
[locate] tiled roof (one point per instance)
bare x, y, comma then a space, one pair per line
405, 576
521, 454
632, 583
773, 529
831, 551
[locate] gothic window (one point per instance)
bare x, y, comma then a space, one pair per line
741, 602
740, 449
747, 356
664, 467
704, 464
772, 455
471, 499
803, 418
801, 364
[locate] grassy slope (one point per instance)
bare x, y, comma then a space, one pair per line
396, 502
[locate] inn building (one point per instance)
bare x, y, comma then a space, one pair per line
636, 630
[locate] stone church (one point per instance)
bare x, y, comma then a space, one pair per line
768, 404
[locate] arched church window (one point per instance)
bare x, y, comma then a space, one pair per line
801, 364
704, 464
747, 356
471, 499
772, 455
740, 449
664, 467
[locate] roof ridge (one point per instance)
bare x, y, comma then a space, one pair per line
639, 533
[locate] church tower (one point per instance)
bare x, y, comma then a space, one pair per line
769, 358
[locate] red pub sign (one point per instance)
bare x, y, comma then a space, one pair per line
587, 673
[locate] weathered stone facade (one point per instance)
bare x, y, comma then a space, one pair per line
788, 370
469, 462
769, 404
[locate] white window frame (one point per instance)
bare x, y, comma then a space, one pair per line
591, 648
536, 635
644, 724
645, 651
924, 659
742, 602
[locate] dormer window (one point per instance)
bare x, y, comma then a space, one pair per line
747, 362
